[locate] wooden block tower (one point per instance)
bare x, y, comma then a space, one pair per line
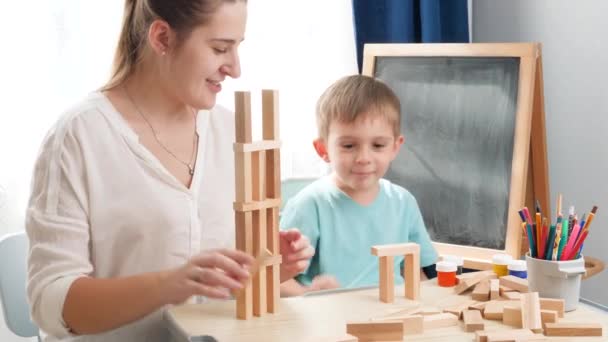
411, 269
258, 197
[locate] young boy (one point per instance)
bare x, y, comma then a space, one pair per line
352, 209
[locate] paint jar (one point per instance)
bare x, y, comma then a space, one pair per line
500, 263
446, 273
518, 268
556, 279
458, 260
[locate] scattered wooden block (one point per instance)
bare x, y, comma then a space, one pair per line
558, 305
511, 295
466, 284
548, 316
376, 331
516, 283
503, 335
511, 315
505, 289
413, 325
493, 311
481, 292
494, 291
530, 312
472, 320
573, 329
457, 310
478, 306
439, 321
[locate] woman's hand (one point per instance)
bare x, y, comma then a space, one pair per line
211, 273
296, 252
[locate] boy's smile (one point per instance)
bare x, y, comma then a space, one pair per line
360, 153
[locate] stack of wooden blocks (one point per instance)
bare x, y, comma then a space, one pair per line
258, 197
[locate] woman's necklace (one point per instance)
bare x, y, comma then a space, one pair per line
190, 165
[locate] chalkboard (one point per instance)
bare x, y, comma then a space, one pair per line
467, 122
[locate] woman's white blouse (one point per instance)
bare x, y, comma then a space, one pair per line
103, 206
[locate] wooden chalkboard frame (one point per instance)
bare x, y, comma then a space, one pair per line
529, 169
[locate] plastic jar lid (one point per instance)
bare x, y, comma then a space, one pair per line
517, 265
501, 259
445, 266
458, 260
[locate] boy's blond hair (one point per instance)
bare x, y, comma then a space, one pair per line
352, 96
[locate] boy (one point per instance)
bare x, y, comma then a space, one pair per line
352, 209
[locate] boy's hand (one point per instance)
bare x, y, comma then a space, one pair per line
324, 282
296, 251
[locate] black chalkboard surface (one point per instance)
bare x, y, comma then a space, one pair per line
467, 114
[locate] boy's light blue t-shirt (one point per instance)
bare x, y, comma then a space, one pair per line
343, 231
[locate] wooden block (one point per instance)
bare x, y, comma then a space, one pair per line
411, 274
413, 325
505, 289
516, 283
376, 331
573, 329
493, 311
512, 295
511, 315
439, 321
466, 284
270, 114
256, 146
457, 310
530, 312
387, 279
481, 292
242, 109
494, 289
480, 274
273, 290
478, 306
472, 320
548, 316
503, 335
257, 205
398, 249
558, 305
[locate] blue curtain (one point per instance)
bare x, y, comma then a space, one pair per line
409, 21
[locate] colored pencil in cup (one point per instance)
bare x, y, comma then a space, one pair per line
571, 241
563, 239
550, 241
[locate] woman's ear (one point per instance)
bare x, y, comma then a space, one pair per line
321, 149
160, 36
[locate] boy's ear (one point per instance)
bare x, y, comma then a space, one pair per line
397, 145
321, 149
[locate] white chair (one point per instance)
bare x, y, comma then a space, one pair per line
13, 271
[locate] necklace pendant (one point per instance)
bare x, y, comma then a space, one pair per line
190, 170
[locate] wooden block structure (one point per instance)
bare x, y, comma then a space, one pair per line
411, 269
258, 197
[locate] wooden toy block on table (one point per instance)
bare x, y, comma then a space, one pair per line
573, 329
411, 269
258, 197
376, 331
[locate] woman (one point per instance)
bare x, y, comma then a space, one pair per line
134, 186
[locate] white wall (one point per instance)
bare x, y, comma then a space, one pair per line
575, 45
